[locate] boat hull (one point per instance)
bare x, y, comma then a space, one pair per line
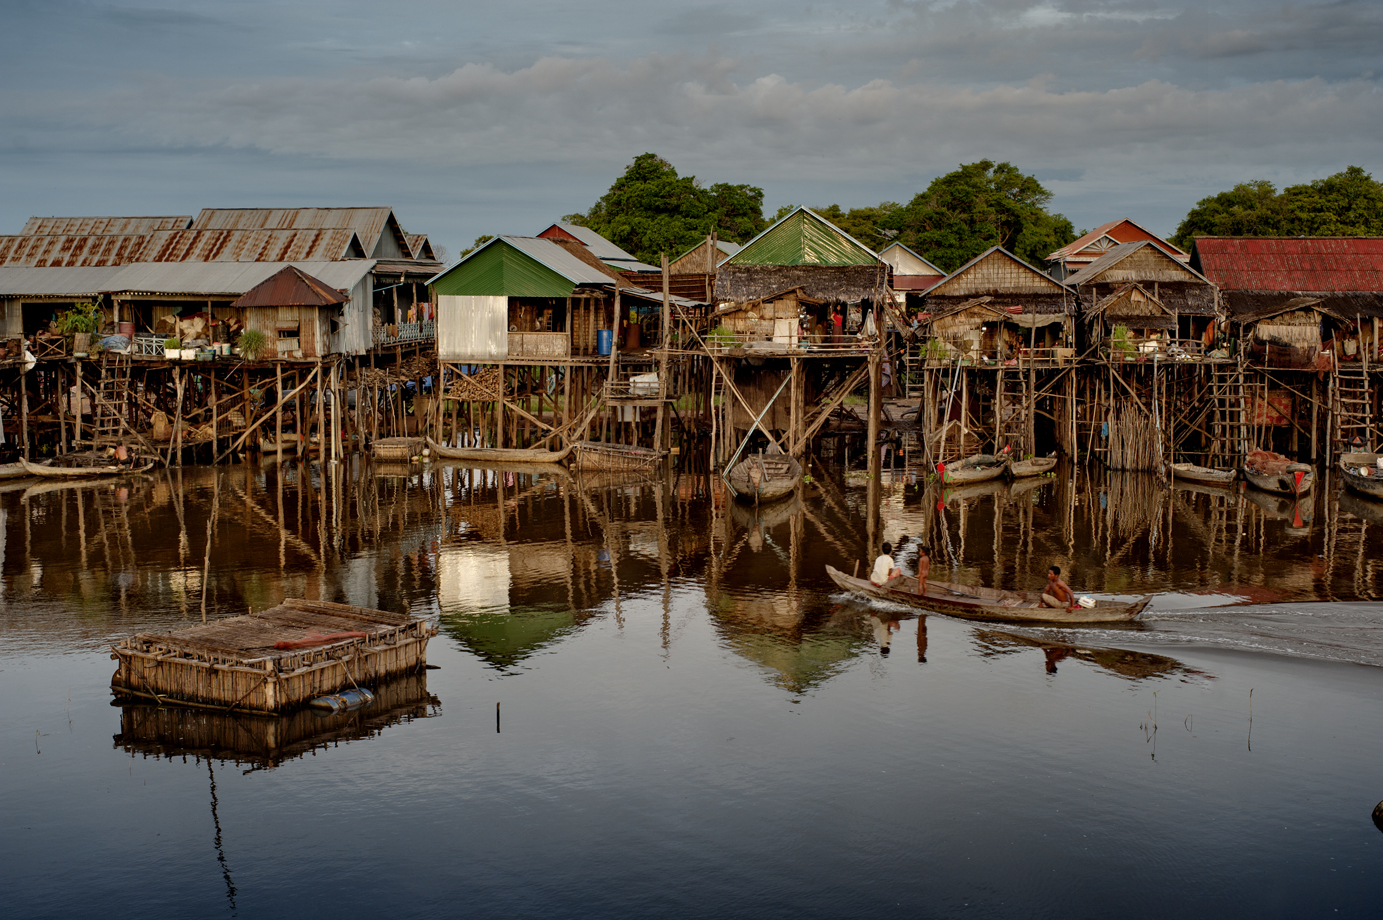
1283, 483
976, 603
498, 454
1034, 467
777, 478
1193, 473
981, 468
45, 471
1370, 486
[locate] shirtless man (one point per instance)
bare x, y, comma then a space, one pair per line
924, 568
1058, 593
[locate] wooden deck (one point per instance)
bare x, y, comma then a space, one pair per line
271, 661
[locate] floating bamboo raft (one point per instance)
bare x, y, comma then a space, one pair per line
397, 449
271, 661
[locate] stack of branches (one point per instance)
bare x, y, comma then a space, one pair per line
413, 368
482, 386
1134, 441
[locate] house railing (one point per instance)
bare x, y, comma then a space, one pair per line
147, 346
406, 333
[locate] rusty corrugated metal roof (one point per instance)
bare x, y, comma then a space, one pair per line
291, 287
71, 250
259, 245
119, 226
368, 223
1297, 264
1117, 231
420, 246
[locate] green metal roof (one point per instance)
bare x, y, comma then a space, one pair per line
502, 269
803, 238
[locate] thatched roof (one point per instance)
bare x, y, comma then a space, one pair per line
845, 283
939, 305
1247, 307
1180, 288
1132, 304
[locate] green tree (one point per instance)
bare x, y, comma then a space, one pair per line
651, 210
479, 241
979, 205
1349, 203
875, 226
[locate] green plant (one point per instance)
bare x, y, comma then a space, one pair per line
1119, 342
169, 344
722, 336
253, 343
83, 317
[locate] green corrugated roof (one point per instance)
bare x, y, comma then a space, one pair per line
501, 269
803, 238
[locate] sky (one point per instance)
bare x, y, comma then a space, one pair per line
471, 118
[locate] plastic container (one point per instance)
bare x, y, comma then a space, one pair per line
1087, 602
604, 340
125, 329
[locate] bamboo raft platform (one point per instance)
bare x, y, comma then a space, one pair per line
272, 661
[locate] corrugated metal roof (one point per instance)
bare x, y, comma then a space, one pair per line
558, 259
72, 250
420, 246
633, 266
291, 287
118, 226
29, 281
1118, 254
258, 245
1305, 264
505, 267
198, 278
1118, 231
803, 238
602, 248
368, 223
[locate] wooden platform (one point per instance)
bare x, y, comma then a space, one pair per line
234, 664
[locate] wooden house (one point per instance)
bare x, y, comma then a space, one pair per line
599, 246
296, 312
806, 251
912, 274
1076, 255
769, 323
997, 308
1141, 282
703, 258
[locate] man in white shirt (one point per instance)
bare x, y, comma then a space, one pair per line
884, 569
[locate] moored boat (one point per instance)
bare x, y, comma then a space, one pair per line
976, 468
979, 603
1363, 474
1204, 474
288, 445
1272, 472
13, 470
1035, 466
499, 454
764, 477
83, 466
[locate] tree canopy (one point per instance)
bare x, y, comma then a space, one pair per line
1349, 203
651, 210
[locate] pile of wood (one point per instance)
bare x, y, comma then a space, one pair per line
482, 386
1134, 441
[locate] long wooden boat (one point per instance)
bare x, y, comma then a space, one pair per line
764, 477
13, 471
598, 455
1034, 467
289, 444
499, 454
1362, 474
1272, 472
1204, 474
52, 469
977, 468
978, 603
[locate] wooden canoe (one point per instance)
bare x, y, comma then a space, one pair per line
764, 477
1204, 474
499, 454
289, 444
1034, 467
1369, 484
598, 455
976, 603
48, 470
13, 471
1275, 473
977, 468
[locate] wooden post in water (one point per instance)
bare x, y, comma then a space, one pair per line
872, 446
662, 437
278, 409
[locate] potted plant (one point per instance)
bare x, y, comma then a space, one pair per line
252, 344
172, 349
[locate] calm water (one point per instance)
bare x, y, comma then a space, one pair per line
691, 720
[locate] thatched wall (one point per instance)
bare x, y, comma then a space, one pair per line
1185, 298
844, 283
1031, 303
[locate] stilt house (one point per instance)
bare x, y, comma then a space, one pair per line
297, 313
1075, 256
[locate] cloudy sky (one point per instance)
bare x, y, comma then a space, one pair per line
473, 118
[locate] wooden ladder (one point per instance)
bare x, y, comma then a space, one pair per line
1227, 415
112, 402
1351, 407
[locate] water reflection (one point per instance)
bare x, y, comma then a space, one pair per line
1130, 665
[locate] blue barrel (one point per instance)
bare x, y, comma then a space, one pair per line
604, 339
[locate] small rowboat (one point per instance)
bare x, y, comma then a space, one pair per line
977, 468
764, 477
1275, 473
80, 466
289, 444
1205, 474
1362, 474
498, 454
1034, 467
13, 471
977, 603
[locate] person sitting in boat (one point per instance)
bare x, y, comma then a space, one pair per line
884, 568
924, 568
1058, 593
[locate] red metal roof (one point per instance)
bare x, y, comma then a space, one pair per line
1120, 231
291, 287
1317, 264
